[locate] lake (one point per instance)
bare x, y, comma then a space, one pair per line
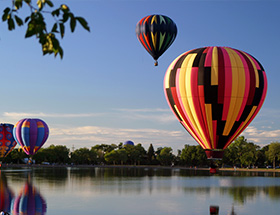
137, 191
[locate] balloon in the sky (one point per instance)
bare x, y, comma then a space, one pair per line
156, 33
129, 142
31, 134
215, 92
29, 202
7, 141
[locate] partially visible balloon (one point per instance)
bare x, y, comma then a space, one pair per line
129, 142
7, 141
29, 202
156, 33
31, 134
215, 92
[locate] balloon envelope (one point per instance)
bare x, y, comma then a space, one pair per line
129, 142
7, 141
31, 134
156, 33
215, 92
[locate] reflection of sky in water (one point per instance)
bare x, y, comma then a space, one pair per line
103, 193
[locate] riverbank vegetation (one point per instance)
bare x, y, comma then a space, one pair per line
240, 153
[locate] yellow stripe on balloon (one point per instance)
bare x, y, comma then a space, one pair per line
243, 125
214, 67
154, 19
154, 39
208, 112
187, 97
168, 71
255, 70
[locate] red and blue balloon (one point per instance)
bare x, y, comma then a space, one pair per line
31, 134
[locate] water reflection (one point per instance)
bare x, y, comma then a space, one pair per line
6, 194
162, 191
29, 201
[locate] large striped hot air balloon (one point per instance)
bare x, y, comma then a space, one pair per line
156, 33
31, 134
215, 92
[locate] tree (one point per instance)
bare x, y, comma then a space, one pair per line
84, 156
112, 157
165, 156
36, 25
151, 156
193, 155
122, 155
273, 153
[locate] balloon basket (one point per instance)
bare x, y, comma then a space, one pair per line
214, 155
214, 210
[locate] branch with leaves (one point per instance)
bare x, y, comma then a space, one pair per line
36, 25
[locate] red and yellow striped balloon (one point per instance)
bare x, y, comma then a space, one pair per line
215, 92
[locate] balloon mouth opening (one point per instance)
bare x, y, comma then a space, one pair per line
214, 155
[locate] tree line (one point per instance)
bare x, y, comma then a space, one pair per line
240, 153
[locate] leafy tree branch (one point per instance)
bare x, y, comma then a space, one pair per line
36, 25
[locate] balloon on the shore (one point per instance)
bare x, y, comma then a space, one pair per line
31, 134
156, 33
129, 142
7, 141
215, 92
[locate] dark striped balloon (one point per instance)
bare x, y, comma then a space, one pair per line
156, 33
7, 141
215, 92
31, 134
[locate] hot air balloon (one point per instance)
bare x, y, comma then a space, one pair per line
31, 134
29, 202
156, 33
215, 92
7, 141
129, 142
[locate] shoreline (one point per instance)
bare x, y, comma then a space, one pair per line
6, 166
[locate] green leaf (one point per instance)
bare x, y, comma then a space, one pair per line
56, 12
18, 4
18, 20
27, 1
65, 17
54, 28
40, 4
11, 24
62, 29
48, 2
26, 19
6, 14
83, 22
72, 24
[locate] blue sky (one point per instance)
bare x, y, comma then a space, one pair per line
107, 90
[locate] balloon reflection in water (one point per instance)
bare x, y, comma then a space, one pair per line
29, 202
6, 195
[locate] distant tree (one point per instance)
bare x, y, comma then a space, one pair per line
37, 26
84, 156
165, 156
193, 155
112, 157
122, 156
273, 153
151, 156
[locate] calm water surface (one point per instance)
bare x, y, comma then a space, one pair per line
133, 191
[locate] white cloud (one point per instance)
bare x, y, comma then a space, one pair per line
20, 115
